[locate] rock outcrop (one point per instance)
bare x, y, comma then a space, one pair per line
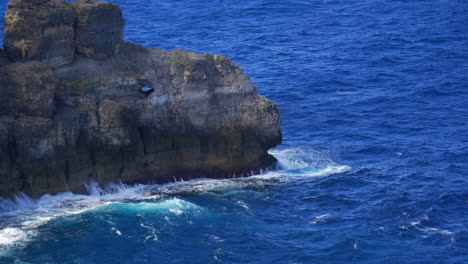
85, 119
40, 30
30, 89
99, 28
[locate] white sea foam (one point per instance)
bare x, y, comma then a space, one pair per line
19, 201
426, 230
329, 170
10, 235
243, 204
117, 232
319, 218
306, 163
153, 236
24, 216
446, 233
322, 216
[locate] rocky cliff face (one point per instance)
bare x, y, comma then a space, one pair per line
40, 30
72, 109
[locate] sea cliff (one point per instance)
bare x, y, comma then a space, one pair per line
78, 104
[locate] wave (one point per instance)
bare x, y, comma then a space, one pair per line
298, 162
21, 217
174, 206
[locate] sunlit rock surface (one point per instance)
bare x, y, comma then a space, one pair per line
83, 118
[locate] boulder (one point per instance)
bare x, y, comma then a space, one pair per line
99, 28
40, 30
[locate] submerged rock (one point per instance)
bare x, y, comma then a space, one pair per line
88, 121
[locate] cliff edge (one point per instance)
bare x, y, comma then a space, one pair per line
78, 104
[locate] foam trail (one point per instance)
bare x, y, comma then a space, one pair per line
306, 163
10, 235
21, 217
24, 216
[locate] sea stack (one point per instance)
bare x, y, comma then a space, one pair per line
72, 110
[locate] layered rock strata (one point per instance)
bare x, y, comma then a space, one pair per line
69, 119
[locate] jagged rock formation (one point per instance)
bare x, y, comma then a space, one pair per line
68, 119
40, 30
99, 28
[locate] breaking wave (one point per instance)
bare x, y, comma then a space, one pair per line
21, 217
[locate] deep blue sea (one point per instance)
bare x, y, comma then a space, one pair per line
374, 164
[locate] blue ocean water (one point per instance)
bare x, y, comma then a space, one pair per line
374, 100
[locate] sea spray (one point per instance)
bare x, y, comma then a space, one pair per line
28, 215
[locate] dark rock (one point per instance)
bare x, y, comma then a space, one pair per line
89, 121
40, 30
30, 89
4, 60
99, 30
4, 95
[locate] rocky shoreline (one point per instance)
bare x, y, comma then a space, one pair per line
72, 110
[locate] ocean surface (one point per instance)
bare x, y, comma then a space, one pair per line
374, 164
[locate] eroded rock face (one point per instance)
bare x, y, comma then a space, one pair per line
40, 30
4, 96
4, 60
88, 120
30, 89
99, 28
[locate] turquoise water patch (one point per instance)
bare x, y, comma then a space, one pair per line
173, 206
